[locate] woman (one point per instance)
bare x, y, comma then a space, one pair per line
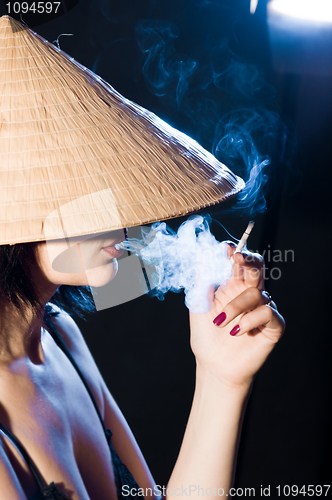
42, 397
55, 408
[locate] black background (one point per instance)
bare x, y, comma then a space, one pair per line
142, 347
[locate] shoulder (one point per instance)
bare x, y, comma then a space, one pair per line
68, 330
74, 340
71, 335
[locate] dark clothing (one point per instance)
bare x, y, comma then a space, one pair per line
52, 492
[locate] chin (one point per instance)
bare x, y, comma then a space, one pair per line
102, 275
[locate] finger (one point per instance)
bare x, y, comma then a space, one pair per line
251, 268
230, 248
237, 269
244, 302
263, 317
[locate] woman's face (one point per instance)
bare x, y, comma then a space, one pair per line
80, 261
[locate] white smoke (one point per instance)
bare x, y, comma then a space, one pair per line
190, 259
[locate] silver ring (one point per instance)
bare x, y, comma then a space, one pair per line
269, 298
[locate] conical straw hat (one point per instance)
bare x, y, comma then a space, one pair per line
77, 158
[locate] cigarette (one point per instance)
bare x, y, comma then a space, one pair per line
244, 238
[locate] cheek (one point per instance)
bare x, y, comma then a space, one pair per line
46, 255
91, 255
60, 258
100, 276
77, 265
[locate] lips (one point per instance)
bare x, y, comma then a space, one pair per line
112, 251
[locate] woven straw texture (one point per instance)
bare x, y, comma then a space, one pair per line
77, 158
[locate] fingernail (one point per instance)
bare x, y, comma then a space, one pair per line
219, 319
234, 330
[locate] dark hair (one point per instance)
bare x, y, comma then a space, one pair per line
18, 288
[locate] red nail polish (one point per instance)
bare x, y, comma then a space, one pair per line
234, 330
219, 319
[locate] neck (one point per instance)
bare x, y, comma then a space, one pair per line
20, 332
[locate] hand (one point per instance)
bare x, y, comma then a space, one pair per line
235, 359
